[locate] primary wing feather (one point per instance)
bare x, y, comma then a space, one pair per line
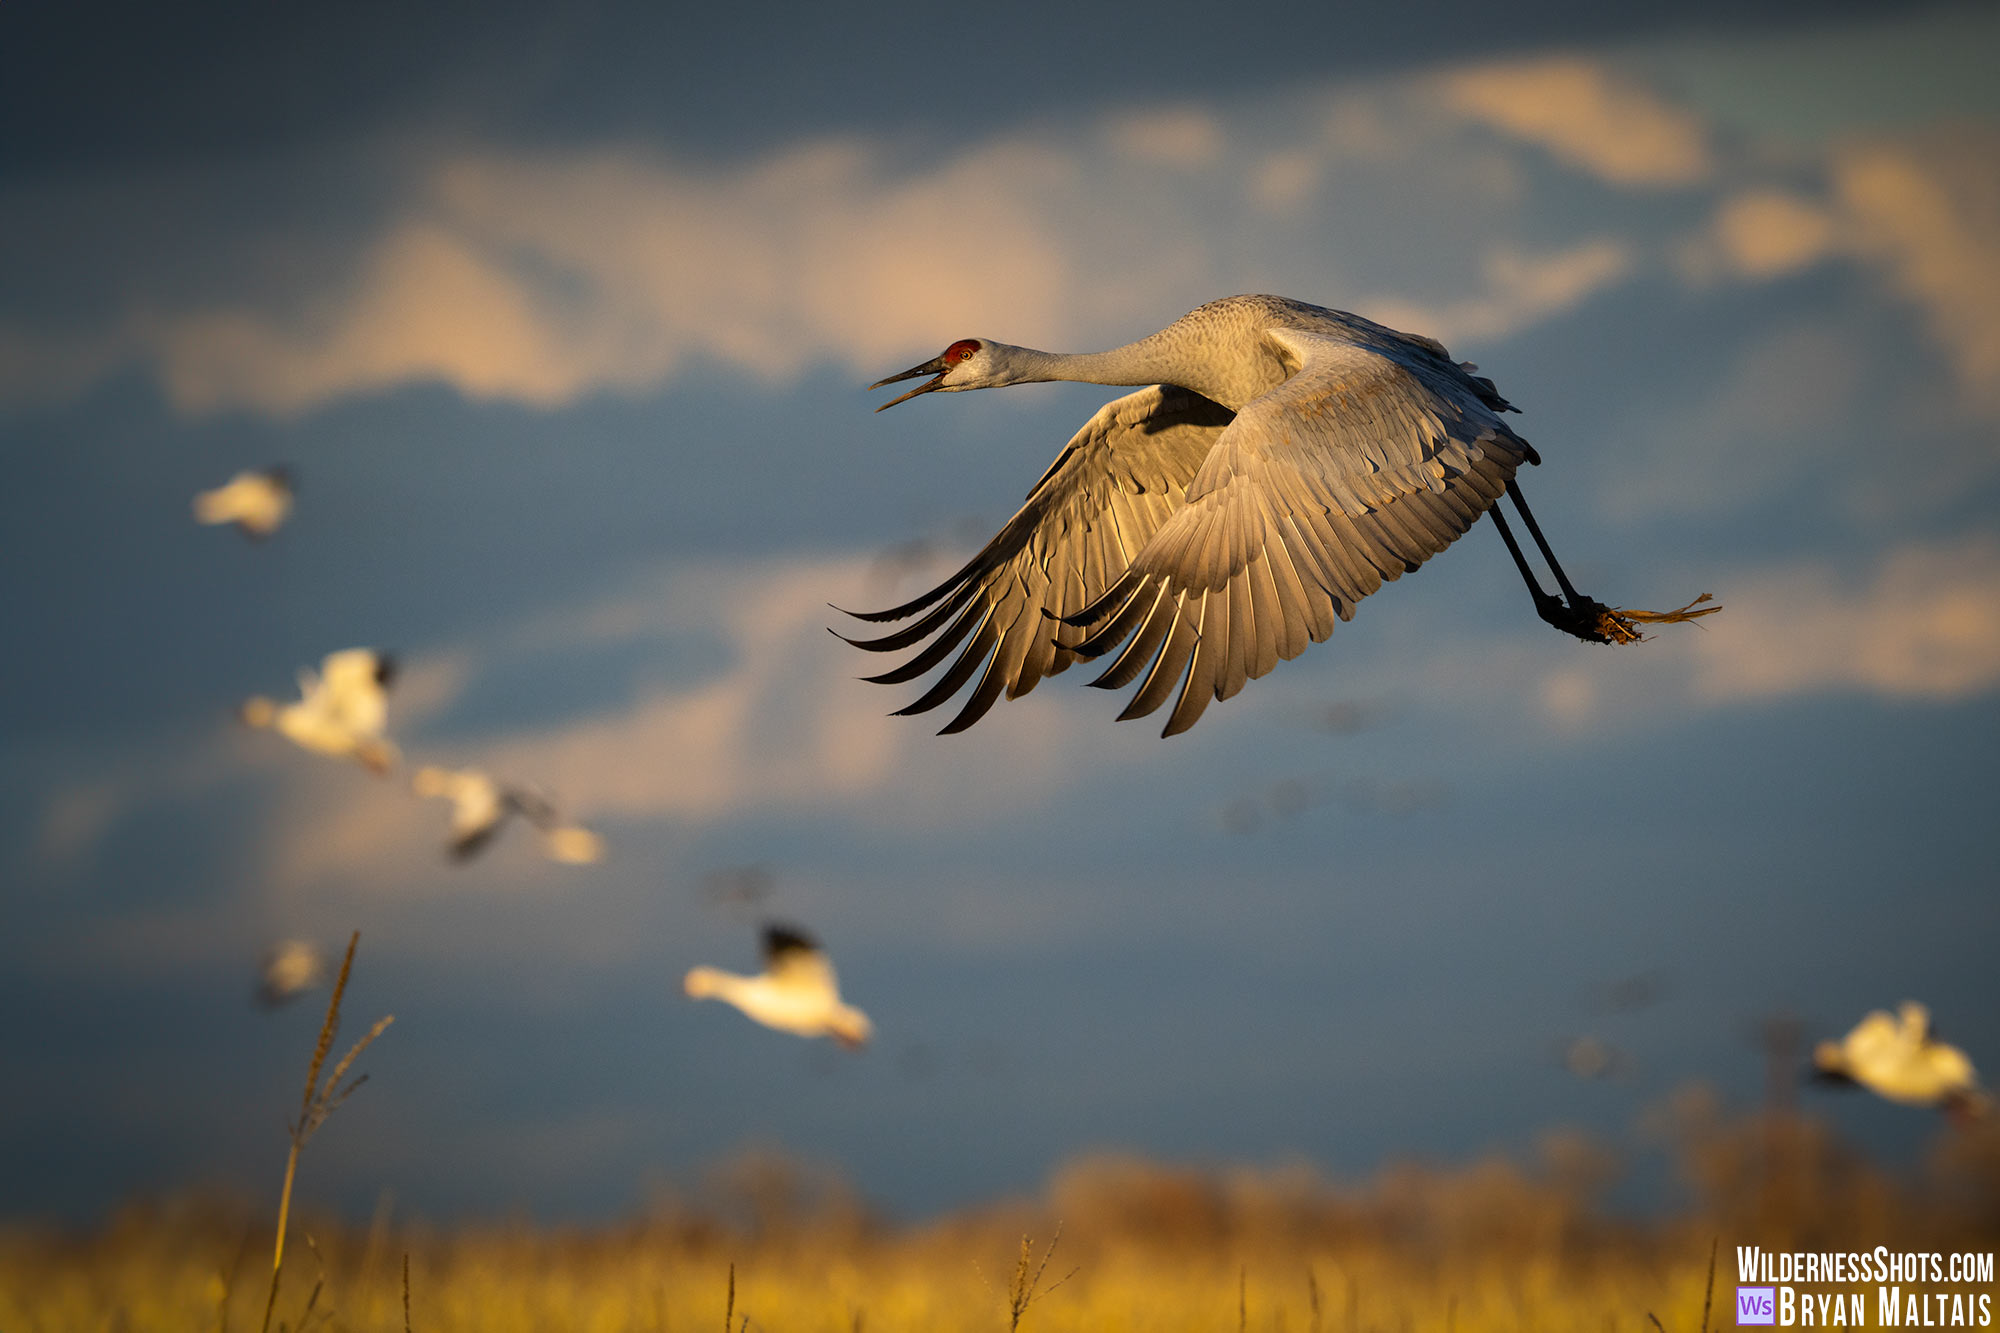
1371, 458
1108, 492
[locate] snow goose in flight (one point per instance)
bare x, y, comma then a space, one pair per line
291, 968
1283, 462
256, 502
341, 710
796, 992
481, 805
1896, 1057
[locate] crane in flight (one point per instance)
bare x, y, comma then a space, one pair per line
1283, 462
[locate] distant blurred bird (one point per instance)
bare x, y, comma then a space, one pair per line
341, 711
796, 992
256, 502
1898, 1058
481, 806
291, 968
739, 886
1592, 1058
1630, 995
1285, 461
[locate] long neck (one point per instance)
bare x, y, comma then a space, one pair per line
1160, 358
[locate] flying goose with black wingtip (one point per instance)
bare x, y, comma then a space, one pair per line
796, 992
341, 711
256, 502
481, 805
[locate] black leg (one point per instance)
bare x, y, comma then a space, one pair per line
1546, 607
1582, 617
1535, 531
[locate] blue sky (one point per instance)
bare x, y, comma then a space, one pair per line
563, 325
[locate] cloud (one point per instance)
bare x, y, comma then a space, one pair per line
1924, 626
543, 275
427, 305
1521, 290
1929, 213
1924, 211
1587, 115
1186, 137
1921, 624
1767, 233
783, 726
542, 278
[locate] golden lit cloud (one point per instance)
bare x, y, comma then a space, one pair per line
1929, 212
1170, 136
1765, 233
1587, 115
1924, 625
1521, 290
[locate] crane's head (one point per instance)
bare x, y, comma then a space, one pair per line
963, 365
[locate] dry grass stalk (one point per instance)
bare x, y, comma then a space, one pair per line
1592, 621
1024, 1287
406, 1292
1622, 624
1312, 1298
729, 1305
319, 1101
1708, 1296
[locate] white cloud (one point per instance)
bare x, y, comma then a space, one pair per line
1588, 115
1925, 625
1767, 233
542, 276
1929, 212
1521, 290
1923, 211
1920, 624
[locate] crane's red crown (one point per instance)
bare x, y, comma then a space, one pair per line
961, 350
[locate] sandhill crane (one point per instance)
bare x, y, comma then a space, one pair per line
1285, 460
796, 992
1897, 1057
481, 805
256, 502
291, 968
341, 711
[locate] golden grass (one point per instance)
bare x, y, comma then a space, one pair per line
1488, 1246
319, 1101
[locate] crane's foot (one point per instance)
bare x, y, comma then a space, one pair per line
1592, 621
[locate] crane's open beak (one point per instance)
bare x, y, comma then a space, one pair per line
934, 366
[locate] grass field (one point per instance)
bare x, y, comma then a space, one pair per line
1143, 1246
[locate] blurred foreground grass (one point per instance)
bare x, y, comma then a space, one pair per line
1491, 1245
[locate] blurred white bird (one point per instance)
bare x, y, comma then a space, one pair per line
1285, 461
1591, 1058
1897, 1058
291, 968
481, 806
796, 992
256, 502
341, 711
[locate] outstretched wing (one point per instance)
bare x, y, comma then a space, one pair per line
1099, 503
793, 959
1365, 463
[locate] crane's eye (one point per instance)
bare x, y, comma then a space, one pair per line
960, 351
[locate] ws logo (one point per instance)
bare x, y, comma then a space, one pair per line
1756, 1305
